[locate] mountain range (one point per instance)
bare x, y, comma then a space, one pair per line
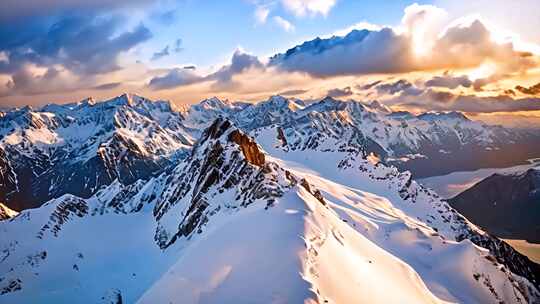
80, 147
241, 221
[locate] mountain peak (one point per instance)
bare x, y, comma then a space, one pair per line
224, 130
214, 103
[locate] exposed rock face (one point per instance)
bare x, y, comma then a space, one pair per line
281, 137
249, 148
6, 213
8, 178
225, 160
505, 205
68, 208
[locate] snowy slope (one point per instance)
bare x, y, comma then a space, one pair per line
77, 148
233, 223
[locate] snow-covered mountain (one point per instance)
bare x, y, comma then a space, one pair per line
427, 144
78, 148
239, 222
506, 205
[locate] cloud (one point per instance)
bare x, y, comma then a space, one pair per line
336, 93
161, 54
107, 86
470, 45
480, 83
240, 62
420, 44
82, 47
312, 7
360, 52
368, 86
11, 10
532, 90
86, 44
26, 80
475, 104
166, 18
178, 45
293, 92
174, 78
284, 24
422, 24
394, 87
433, 100
261, 14
449, 81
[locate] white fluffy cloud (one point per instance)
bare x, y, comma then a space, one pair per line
422, 43
284, 24
261, 14
308, 7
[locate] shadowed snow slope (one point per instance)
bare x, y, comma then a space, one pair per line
236, 222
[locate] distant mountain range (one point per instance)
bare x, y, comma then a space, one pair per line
506, 205
295, 217
79, 148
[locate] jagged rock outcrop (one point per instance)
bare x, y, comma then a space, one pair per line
249, 148
225, 160
6, 213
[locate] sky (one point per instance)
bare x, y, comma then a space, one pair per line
480, 57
